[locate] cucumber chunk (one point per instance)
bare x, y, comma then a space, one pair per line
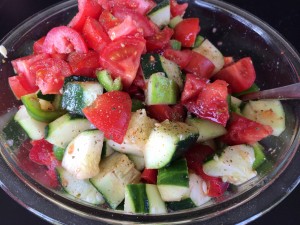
174, 21
143, 198
207, 130
173, 181
34, 129
82, 155
161, 90
137, 134
208, 50
161, 13
116, 171
77, 95
267, 112
234, 165
168, 141
63, 130
80, 189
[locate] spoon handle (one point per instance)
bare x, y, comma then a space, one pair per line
286, 92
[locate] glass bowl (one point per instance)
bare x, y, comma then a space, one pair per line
236, 33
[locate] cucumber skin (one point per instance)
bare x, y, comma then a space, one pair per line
150, 64
183, 204
73, 92
174, 174
139, 197
13, 131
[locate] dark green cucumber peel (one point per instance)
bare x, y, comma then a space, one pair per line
182, 146
14, 132
139, 197
177, 172
181, 205
33, 108
150, 64
253, 88
136, 105
47, 97
72, 99
78, 78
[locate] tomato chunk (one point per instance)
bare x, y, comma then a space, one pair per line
239, 75
149, 176
166, 112
86, 8
84, 63
244, 131
200, 65
94, 34
195, 157
186, 31
50, 74
211, 103
122, 58
192, 87
108, 20
111, 113
177, 9
127, 28
181, 58
160, 40
20, 86
63, 39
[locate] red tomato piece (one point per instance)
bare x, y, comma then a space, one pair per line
177, 9
195, 157
84, 63
63, 39
181, 58
192, 87
142, 22
139, 79
240, 75
20, 86
108, 20
211, 103
50, 74
86, 8
23, 66
111, 113
95, 35
127, 28
186, 31
200, 65
166, 112
149, 176
244, 131
41, 152
139, 6
122, 58
160, 40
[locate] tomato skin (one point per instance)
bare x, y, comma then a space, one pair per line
111, 113
149, 176
23, 66
244, 131
192, 87
177, 9
195, 157
181, 58
19, 86
127, 28
141, 21
108, 20
160, 40
122, 58
63, 39
50, 74
200, 65
42, 154
239, 75
86, 8
228, 60
166, 112
94, 34
211, 103
186, 31
84, 63
139, 6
